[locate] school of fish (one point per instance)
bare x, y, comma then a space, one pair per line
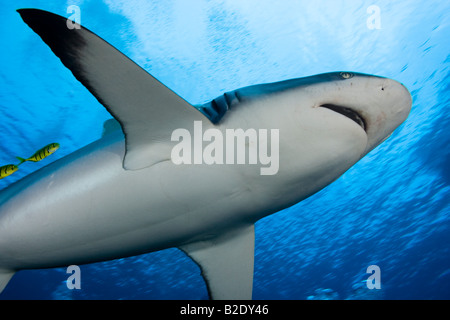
39, 155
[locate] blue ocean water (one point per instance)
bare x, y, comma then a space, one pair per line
391, 209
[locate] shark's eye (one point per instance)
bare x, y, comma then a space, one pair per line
346, 75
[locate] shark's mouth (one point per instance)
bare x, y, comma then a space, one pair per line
349, 113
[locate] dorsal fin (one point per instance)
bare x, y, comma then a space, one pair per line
147, 111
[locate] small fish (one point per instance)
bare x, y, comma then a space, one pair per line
41, 153
8, 170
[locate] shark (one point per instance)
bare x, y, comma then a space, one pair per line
123, 195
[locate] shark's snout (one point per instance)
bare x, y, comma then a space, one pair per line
406, 97
378, 105
389, 108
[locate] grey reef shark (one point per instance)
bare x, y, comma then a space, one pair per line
135, 190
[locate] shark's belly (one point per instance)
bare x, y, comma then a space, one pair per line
86, 208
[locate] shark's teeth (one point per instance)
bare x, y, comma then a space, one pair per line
349, 113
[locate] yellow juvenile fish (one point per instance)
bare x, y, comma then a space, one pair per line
41, 153
8, 170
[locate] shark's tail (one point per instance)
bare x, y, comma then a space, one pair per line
5, 276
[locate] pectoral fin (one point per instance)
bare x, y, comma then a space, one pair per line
5, 276
147, 111
226, 263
